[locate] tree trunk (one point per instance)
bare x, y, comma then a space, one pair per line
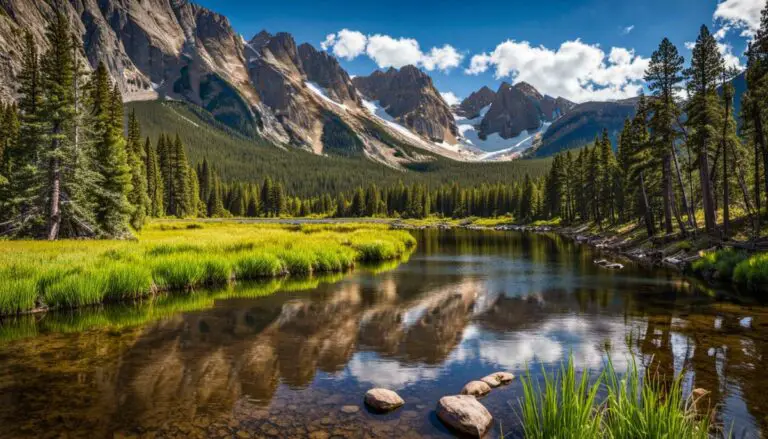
726, 195
646, 205
706, 190
54, 217
686, 206
757, 190
667, 195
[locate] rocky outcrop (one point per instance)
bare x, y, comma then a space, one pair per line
521, 108
409, 96
324, 70
383, 400
465, 414
475, 102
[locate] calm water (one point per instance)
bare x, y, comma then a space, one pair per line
293, 358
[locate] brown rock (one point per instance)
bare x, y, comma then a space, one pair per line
383, 399
476, 388
464, 414
498, 378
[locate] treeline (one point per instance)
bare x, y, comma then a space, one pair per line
686, 160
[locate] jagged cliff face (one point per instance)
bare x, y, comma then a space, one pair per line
173, 49
471, 106
519, 108
409, 96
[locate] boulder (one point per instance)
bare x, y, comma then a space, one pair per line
498, 378
465, 414
476, 388
383, 400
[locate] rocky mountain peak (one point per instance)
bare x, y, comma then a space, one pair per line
476, 101
511, 113
529, 90
325, 70
409, 96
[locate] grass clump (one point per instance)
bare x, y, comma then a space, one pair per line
87, 287
218, 270
719, 264
125, 282
564, 408
257, 265
178, 272
17, 295
753, 273
298, 261
633, 407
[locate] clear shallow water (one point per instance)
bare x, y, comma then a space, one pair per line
294, 358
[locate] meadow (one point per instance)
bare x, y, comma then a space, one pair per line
177, 256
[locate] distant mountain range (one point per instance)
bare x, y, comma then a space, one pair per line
297, 96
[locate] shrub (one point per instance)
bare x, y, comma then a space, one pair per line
722, 262
753, 273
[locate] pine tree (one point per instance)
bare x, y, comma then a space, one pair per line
111, 156
180, 183
664, 77
267, 204
703, 113
138, 196
154, 181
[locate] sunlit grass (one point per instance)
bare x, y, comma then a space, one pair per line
179, 255
753, 273
610, 406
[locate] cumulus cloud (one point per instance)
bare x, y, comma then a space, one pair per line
740, 14
450, 98
387, 51
628, 29
576, 70
345, 44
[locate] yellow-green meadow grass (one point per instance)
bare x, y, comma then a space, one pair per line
178, 255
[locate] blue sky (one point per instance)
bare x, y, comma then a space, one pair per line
561, 47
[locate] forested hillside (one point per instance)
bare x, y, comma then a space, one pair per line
239, 158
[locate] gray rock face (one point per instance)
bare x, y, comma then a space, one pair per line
409, 96
383, 400
464, 414
323, 69
476, 388
471, 106
519, 108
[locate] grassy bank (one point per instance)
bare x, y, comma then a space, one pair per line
177, 256
732, 265
612, 406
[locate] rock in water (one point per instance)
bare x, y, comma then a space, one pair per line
498, 378
383, 400
476, 388
464, 414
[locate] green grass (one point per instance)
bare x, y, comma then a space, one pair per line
720, 263
179, 255
753, 273
632, 407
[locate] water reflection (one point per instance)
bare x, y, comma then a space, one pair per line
262, 363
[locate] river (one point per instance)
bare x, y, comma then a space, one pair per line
293, 358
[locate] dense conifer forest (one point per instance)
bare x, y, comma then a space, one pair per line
74, 164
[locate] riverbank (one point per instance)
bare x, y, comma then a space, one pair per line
175, 256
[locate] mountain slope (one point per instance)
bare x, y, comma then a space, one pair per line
583, 122
409, 96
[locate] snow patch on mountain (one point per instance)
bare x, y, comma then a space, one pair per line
375, 108
320, 92
494, 146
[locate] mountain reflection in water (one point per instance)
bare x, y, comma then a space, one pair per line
283, 358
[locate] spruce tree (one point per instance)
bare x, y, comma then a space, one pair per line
154, 181
703, 113
138, 196
180, 183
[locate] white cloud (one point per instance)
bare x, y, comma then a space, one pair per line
731, 60
346, 44
690, 45
628, 29
442, 58
576, 71
450, 98
387, 51
740, 14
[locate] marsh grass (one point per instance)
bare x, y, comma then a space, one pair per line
723, 262
610, 406
178, 256
753, 273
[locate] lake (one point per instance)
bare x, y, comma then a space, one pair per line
294, 357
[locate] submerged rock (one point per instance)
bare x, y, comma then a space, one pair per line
498, 378
383, 400
464, 414
476, 388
